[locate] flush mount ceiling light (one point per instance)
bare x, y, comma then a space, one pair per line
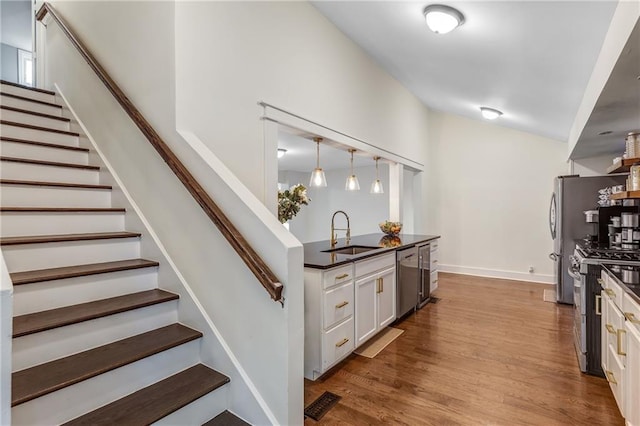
442, 19
318, 178
352, 181
376, 186
281, 152
490, 113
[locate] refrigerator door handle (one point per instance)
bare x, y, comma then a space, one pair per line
553, 256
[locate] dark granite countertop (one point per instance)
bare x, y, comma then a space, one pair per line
315, 258
633, 289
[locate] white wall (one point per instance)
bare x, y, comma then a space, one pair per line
592, 166
15, 23
365, 210
289, 55
489, 195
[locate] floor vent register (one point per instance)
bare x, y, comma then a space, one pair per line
321, 406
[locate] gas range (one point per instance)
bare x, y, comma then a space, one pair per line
590, 253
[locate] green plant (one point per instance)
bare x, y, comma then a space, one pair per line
290, 200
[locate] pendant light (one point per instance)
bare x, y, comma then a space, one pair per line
318, 178
376, 186
352, 181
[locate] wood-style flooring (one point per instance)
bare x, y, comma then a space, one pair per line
490, 352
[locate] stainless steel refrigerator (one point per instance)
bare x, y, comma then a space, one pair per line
572, 195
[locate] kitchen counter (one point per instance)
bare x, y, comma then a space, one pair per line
633, 289
314, 257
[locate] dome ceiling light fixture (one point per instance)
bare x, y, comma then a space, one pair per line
442, 19
490, 113
281, 152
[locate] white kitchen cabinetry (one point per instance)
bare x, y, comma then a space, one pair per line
328, 316
433, 266
620, 356
375, 296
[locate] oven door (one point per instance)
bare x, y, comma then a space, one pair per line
579, 311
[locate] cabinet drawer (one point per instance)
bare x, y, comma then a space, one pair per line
374, 264
614, 291
433, 281
434, 246
338, 304
337, 276
616, 378
433, 261
337, 343
631, 311
615, 323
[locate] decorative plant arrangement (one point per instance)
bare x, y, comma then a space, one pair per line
390, 228
290, 201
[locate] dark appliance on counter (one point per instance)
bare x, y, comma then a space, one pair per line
413, 279
585, 271
572, 195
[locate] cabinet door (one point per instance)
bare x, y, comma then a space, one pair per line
632, 371
386, 298
365, 309
433, 281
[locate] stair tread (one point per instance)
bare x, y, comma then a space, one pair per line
53, 318
45, 378
38, 239
22, 86
57, 184
28, 277
44, 144
61, 209
44, 129
39, 114
22, 98
226, 418
154, 402
49, 163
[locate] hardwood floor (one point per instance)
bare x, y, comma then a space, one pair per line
491, 352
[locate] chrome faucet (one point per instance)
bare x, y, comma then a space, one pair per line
334, 237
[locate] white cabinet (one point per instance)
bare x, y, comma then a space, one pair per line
375, 296
620, 356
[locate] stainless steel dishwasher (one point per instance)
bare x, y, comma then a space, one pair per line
413, 279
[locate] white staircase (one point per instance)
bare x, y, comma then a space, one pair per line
95, 340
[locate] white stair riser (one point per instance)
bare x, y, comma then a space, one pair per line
34, 120
26, 93
73, 401
44, 153
30, 106
36, 297
46, 346
37, 172
48, 196
18, 132
28, 257
199, 411
23, 224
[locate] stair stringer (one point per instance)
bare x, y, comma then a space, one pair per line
214, 351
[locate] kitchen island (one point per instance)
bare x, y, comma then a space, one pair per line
350, 293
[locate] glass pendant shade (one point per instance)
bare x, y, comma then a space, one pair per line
376, 186
352, 183
318, 179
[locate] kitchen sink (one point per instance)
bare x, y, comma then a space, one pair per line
352, 250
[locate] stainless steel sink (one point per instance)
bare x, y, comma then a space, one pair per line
352, 250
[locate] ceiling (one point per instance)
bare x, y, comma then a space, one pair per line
530, 59
15, 23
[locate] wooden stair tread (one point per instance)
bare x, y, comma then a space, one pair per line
154, 402
56, 184
54, 318
22, 86
38, 239
44, 144
39, 114
226, 419
61, 210
44, 129
45, 378
22, 98
29, 277
49, 163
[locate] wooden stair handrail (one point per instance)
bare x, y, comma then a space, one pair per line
255, 263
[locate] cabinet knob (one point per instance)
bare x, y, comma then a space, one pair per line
610, 328
631, 318
611, 378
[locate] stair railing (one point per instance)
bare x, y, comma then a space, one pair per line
253, 261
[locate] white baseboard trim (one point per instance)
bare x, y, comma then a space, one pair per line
496, 273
